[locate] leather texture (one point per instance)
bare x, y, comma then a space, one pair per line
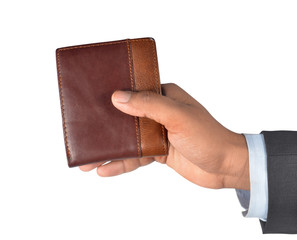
146, 76
94, 130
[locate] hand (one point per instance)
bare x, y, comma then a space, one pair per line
201, 149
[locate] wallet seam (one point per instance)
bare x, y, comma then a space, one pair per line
157, 86
132, 88
62, 105
158, 91
91, 45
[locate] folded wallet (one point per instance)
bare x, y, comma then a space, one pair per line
94, 130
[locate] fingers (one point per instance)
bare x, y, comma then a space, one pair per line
162, 109
175, 92
122, 166
89, 167
116, 167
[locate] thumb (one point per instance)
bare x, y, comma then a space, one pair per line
162, 109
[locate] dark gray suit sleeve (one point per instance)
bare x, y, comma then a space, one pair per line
281, 147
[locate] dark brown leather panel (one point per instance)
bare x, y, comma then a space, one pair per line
153, 136
94, 130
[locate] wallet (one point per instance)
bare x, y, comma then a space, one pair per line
94, 130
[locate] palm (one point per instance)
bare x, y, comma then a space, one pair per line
189, 170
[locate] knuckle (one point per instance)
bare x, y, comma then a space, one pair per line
173, 85
169, 88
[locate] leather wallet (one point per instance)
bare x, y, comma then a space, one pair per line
94, 130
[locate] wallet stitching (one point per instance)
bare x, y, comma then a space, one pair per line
62, 106
92, 45
158, 91
132, 87
158, 87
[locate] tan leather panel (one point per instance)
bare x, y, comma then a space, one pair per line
153, 136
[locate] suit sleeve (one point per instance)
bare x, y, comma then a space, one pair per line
281, 148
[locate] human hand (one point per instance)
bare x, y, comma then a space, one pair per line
201, 149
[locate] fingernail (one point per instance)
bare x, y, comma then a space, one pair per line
122, 96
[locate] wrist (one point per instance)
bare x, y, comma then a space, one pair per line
236, 173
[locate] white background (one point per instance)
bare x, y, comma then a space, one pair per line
238, 58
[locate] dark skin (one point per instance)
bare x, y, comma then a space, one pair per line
201, 149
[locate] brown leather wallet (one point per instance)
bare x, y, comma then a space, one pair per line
94, 130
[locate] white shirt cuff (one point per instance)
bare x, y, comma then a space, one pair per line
255, 201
